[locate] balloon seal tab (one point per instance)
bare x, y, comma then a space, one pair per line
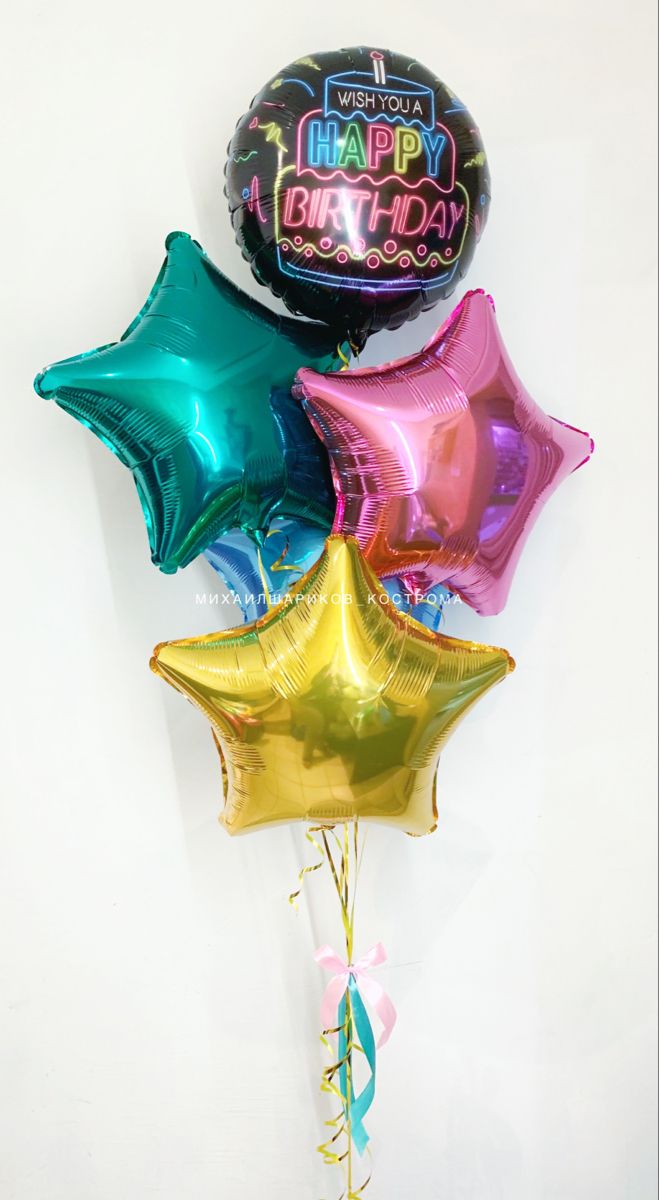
357, 340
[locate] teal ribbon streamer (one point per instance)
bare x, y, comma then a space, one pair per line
359, 1105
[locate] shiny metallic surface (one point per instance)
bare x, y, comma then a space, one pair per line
334, 706
183, 400
442, 461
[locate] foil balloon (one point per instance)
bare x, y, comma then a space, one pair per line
334, 706
442, 460
427, 608
309, 495
259, 575
183, 401
359, 187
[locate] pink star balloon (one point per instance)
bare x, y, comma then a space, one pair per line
442, 461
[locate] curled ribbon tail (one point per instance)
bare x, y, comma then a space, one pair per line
361, 1104
343, 1003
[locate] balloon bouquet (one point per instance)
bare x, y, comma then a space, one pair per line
342, 507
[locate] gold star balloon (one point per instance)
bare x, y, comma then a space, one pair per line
334, 706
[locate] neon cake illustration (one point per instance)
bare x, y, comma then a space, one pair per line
359, 187
374, 183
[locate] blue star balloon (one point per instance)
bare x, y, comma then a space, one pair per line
183, 400
428, 609
260, 575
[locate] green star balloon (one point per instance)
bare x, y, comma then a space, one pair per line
183, 400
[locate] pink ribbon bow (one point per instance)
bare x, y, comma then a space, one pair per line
370, 989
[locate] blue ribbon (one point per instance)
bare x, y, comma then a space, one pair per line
356, 1107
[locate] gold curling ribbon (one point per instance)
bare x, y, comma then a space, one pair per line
354, 350
264, 578
294, 896
344, 865
342, 356
279, 564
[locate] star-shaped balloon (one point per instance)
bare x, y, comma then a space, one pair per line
334, 706
183, 401
442, 461
310, 494
260, 576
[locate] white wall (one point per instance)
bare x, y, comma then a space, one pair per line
159, 998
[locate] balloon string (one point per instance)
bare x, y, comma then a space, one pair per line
294, 896
354, 350
344, 359
279, 564
436, 603
343, 856
264, 578
344, 869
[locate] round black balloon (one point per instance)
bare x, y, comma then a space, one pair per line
358, 187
